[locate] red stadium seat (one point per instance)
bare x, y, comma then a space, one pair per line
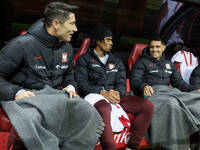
23, 32
4, 140
135, 54
83, 49
5, 127
5, 124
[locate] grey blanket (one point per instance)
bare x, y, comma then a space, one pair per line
176, 117
52, 121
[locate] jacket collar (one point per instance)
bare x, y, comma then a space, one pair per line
38, 30
92, 53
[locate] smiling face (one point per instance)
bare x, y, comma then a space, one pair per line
156, 49
65, 30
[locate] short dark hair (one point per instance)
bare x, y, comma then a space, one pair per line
58, 10
98, 34
156, 38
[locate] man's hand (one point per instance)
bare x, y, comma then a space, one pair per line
111, 95
71, 91
72, 94
24, 94
198, 90
148, 90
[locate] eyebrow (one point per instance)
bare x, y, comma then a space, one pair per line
155, 46
108, 38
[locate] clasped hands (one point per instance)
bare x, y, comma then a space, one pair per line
112, 96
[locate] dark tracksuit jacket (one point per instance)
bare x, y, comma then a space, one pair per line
92, 75
33, 60
195, 78
150, 71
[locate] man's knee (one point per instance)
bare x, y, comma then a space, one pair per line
148, 107
174, 104
103, 106
85, 108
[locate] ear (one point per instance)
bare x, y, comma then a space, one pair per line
55, 23
98, 42
163, 47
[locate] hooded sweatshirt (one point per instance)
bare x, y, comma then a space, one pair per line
34, 60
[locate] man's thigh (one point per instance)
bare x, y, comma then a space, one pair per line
132, 103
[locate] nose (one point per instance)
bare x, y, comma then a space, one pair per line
111, 42
75, 28
153, 48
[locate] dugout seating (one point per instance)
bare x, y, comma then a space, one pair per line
120, 139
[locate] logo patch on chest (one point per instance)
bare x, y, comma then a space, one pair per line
64, 57
168, 66
111, 66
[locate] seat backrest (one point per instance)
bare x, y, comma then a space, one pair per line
23, 32
135, 54
83, 49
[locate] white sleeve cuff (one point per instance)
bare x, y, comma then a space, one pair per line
19, 92
70, 88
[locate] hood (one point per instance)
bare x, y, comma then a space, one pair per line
146, 54
38, 30
110, 58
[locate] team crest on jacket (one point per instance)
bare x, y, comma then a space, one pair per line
111, 66
64, 57
168, 66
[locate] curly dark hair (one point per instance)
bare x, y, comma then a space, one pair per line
98, 34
